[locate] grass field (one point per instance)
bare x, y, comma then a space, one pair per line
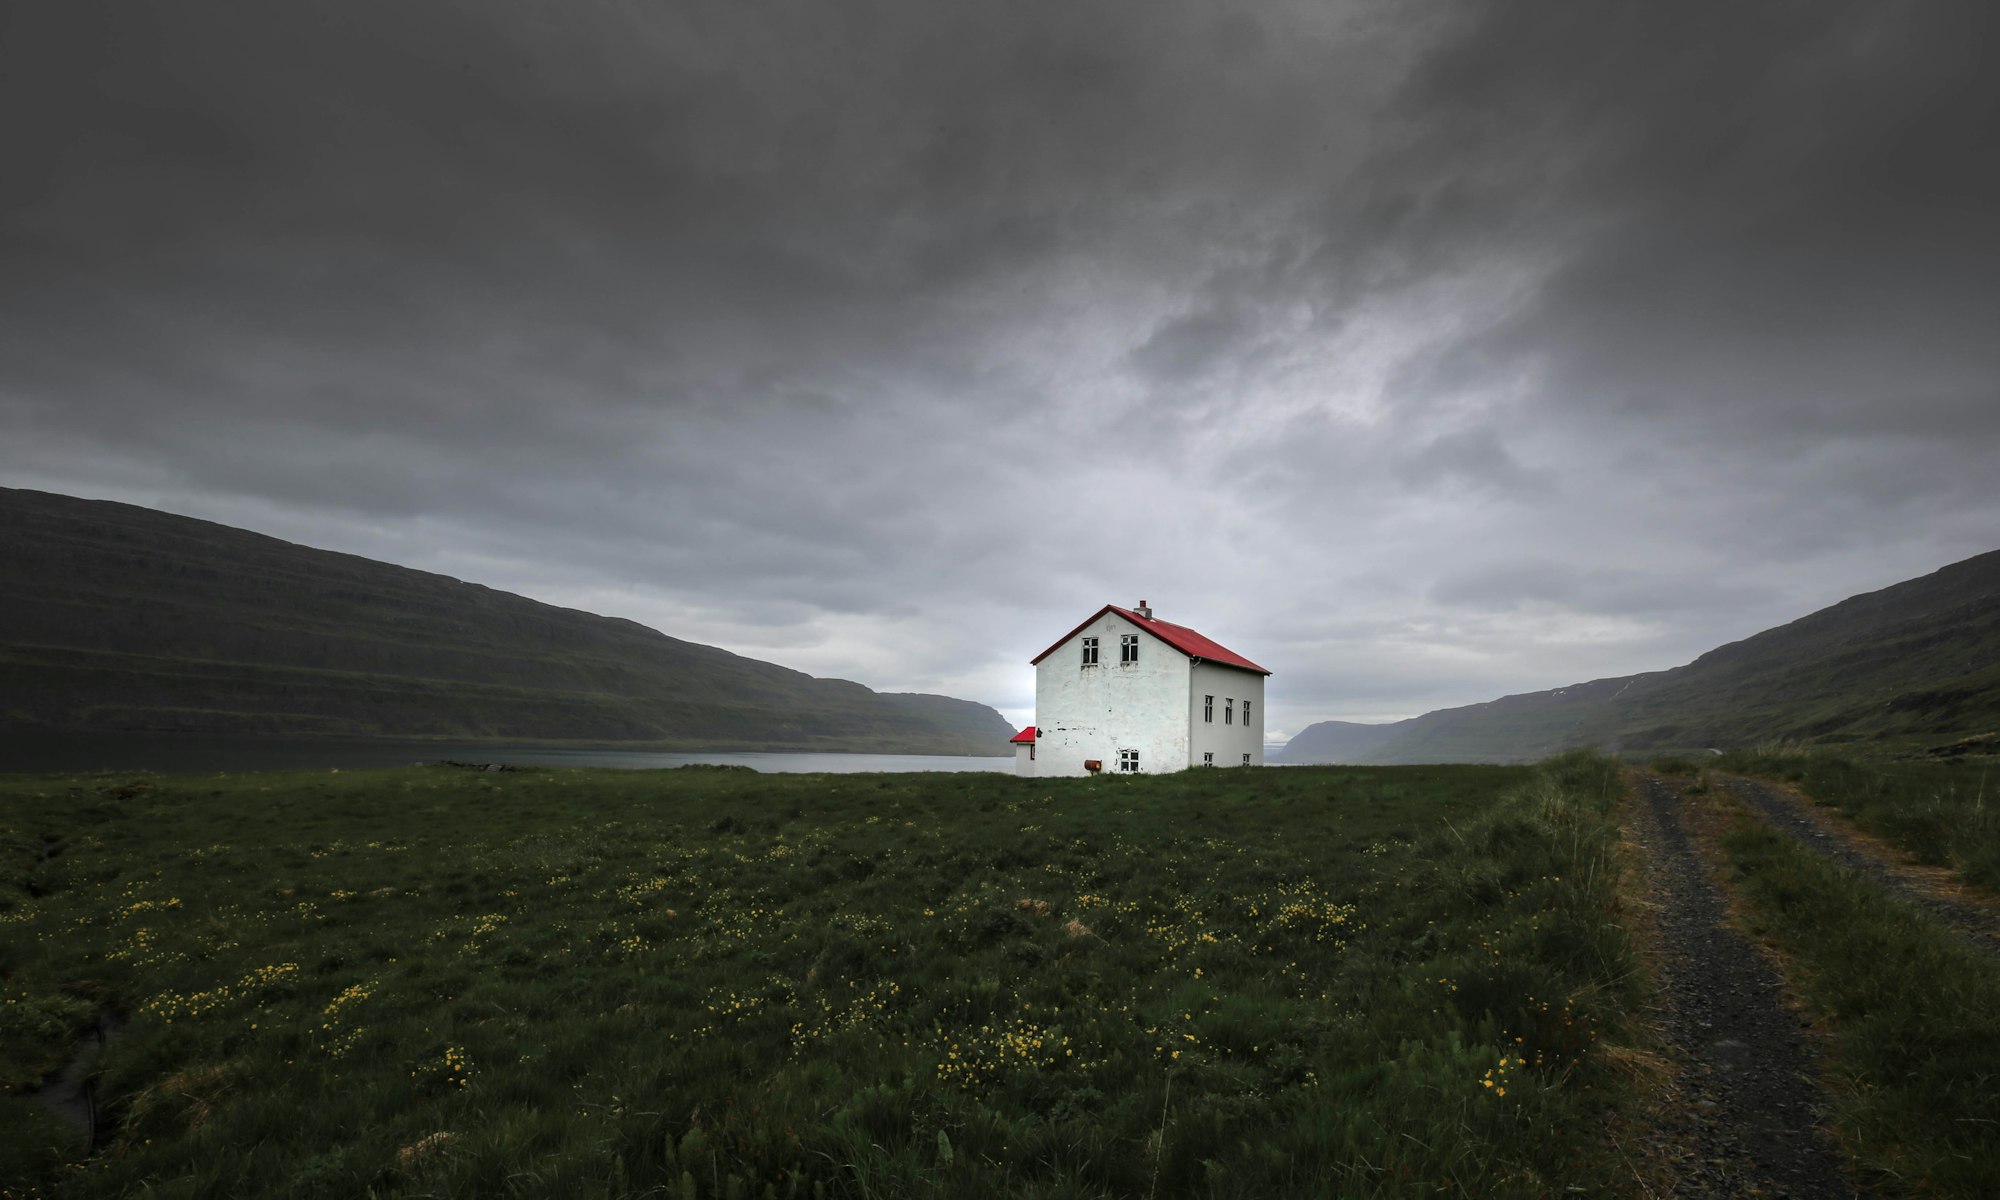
1312, 981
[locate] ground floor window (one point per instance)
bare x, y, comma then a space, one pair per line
1128, 760
1246, 760
1208, 758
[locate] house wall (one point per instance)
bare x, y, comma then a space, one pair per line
1229, 743
1024, 759
1094, 712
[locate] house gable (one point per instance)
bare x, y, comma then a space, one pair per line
1179, 637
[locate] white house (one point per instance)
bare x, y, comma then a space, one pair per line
1126, 691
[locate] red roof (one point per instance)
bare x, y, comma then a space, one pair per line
1026, 735
1180, 637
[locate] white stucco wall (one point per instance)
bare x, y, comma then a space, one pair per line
1094, 712
1024, 758
1230, 742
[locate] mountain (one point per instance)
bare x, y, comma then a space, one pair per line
1337, 741
120, 618
1909, 665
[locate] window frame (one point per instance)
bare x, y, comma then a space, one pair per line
1208, 710
1128, 649
1090, 652
1229, 710
1128, 762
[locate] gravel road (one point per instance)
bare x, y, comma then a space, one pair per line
1827, 834
1747, 1122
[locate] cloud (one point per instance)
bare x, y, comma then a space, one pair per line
1186, 348
1614, 592
1422, 356
1474, 459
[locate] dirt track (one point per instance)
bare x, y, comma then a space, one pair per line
1745, 1118
1930, 889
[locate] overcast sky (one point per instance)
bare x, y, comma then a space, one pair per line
1422, 352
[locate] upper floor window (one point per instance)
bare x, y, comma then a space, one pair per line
1128, 648
1090, 652
1246, 712
1228, 711
1208, 709
1128, 760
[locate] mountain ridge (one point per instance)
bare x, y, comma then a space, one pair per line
115, 617
1900, 666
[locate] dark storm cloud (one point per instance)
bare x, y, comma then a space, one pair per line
1415, 350
1186, 348
654, 209
1784, 212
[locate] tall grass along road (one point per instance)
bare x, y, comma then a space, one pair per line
1892, 961
1909, 1006
1943, 814
1934, 892
708, 982
1747, 1118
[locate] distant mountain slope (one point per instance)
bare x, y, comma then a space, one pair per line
115, 617
1913, 663
1337, 741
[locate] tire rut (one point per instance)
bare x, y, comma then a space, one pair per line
1747, 1121
1820, 833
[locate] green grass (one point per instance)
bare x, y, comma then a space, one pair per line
1946, 814
1312, 981
1913, 1014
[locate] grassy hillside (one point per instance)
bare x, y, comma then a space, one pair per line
114, 617
709, 982
1908, 666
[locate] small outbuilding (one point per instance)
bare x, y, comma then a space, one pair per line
1126, 691
1024, 751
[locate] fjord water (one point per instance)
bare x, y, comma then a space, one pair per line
177, 754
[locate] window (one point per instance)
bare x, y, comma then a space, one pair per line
1128, 760
1246, 712
1246, 760
1031, 752
1228, 711
1208, 709
1090, 652
1208, 758
1128, 648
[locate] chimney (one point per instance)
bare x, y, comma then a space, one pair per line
1144, 611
